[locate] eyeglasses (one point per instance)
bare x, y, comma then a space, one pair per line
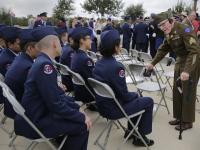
162, 24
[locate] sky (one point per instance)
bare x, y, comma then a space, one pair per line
22, 8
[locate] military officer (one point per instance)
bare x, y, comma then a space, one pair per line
42, 21
182, 40
126, 30
111, 72
46, 105
82, 64
17, 73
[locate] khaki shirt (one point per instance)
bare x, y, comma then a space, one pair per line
183, 42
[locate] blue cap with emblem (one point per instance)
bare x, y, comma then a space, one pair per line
108, 38
26, 36
10, 33
41, 32
81, 31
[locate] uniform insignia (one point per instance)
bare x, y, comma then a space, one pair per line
48, 69
192, 41
187, 30
122, 73
89, 63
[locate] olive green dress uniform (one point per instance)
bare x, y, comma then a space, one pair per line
188, 22
183, 42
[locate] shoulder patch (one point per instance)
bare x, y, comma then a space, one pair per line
48, 69
192, 41
187, 30
89, 63
122, 73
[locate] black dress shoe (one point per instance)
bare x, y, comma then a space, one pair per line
138, 142
127, 133
185, 126
174, 122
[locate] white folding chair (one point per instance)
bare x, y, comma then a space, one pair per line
135, 55
104, 90
2, 122
77, 80
92, 55
165, 63
146, 58
148, 85
21, 111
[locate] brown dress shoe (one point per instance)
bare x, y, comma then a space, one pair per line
185, 126
174, 122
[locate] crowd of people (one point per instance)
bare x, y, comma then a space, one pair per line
27, 62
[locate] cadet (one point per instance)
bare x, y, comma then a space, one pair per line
82, 64
182, 40
126, 29
66, 55
10, 34
2, 41
111, 72
18, 71
47, 106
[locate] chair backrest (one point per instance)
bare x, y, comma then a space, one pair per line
101, 89
11, 98
136, 69
99, 56
92, 55
63, 69
1, 77
106, 91
18, 108
145, 56
77, 79
124, 51
134, 53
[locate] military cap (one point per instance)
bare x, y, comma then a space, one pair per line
41, 32
44, 14
9, 33
109, 37
81, 31
26, 36
61, 30
161, 17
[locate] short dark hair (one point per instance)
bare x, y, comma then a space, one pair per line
10, 41
76, 41
109, 50
24, 46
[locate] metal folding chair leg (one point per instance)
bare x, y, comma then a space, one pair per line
30, 145
160, 104
4, 120
108, 127
12, 141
